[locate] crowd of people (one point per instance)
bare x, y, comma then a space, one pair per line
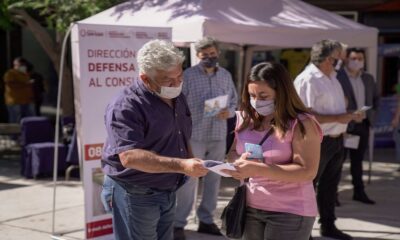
158, 138
23, 90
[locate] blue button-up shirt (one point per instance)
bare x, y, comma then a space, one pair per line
199, 86
139, 119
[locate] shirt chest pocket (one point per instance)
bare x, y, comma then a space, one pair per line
324, 102
218, 90
216, 87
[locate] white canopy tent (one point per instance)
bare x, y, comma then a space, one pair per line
251, 25
258, 24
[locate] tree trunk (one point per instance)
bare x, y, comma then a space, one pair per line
53, 50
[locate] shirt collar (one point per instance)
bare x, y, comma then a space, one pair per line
348, 74
141, 85
314, 70
143, 88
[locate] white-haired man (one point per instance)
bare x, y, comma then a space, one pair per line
146, 154
319, 89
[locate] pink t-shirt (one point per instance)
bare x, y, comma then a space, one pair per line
278, 196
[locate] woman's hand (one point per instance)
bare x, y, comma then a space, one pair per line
245, 168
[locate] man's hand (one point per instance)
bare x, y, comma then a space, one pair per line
395, 121
358, 116
345, 117
193, 167
224, 114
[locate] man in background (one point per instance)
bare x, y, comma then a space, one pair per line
360, 90
18, 91
38, 88
204, 81
322, 93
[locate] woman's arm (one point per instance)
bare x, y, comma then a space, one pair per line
232, 155
306, 155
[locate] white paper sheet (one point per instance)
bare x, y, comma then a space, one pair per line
217, 166
214, 105
351, 141
363, 109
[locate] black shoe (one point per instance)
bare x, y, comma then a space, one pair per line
179, 234
362, 197
209, 229
332, 232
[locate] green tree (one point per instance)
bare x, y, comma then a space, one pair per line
40, 16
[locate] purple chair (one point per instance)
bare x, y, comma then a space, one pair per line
36, 130
37, 136
39, 159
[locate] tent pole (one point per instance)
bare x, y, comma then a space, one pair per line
57, 129
248, 55
241, 71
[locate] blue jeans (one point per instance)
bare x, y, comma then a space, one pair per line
18, 111
107, 194
141, 213
212, 150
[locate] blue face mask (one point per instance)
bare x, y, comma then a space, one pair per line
263, 107
209, 62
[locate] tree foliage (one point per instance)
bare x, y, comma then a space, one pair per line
53, 14
39, 16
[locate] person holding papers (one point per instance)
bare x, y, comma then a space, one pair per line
146, 154
360, 91
212, 99
281, 201
320, 91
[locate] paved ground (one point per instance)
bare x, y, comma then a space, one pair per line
26, 205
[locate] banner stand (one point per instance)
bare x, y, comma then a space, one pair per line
103, 63
57, 130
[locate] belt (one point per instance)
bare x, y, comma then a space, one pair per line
334, 135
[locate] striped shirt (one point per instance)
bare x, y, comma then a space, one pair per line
199, 86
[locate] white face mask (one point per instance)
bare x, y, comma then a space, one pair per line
355, 65
337, 64
169, 92
263, 107
22, 69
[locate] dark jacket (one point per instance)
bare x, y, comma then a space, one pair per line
371, 95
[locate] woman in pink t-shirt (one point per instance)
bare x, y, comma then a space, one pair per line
281, 200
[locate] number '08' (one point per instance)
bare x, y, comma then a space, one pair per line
94, 152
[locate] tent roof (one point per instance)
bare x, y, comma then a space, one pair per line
276, 23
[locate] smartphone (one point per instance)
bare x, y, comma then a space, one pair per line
255, 150
363, 109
